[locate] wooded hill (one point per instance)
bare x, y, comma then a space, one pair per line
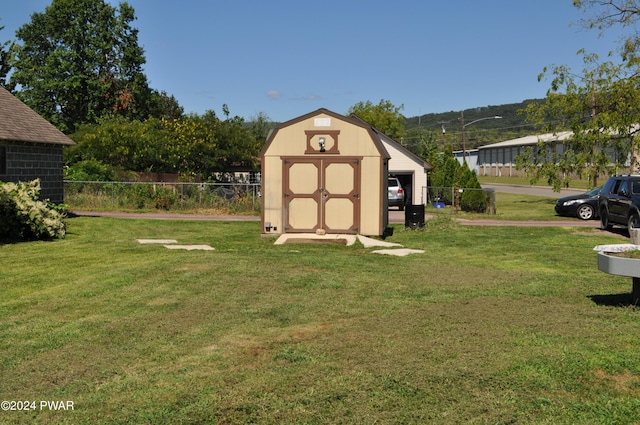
512, 125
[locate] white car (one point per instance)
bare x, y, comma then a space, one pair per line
396, 193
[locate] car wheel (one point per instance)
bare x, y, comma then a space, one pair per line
633, 222
585, 212
604, 220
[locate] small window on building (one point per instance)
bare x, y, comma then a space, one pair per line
3, 160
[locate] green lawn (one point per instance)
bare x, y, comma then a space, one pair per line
491, 325
525, 181
512, 207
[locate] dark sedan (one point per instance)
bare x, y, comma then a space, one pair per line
583, 206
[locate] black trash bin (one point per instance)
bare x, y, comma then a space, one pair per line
414, 216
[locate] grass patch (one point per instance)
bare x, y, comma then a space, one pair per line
525, 181
512, 206
490, 325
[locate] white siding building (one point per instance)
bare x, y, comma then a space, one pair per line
498, 159
410, 170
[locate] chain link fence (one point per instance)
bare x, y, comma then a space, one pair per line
460, 199
182, 196
92, 195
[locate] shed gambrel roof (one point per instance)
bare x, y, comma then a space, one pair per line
375, 135
20, 123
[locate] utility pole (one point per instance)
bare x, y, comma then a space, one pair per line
464, 151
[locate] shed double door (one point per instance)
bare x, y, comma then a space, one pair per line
321, 193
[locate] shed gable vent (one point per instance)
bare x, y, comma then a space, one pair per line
322, 122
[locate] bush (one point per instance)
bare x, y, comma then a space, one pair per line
474, 200
164, 198
89, 170
24, 217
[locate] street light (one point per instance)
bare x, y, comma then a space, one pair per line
464, 151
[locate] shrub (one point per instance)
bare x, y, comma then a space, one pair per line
24, 217
89, 170
474, 200
164, 198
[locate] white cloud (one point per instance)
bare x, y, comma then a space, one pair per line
274, 94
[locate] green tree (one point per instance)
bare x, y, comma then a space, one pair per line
89, 170
239, 144
473, 198
260, 125
599, 105
445, 174
165, 106
5, 62
122, 143
421, 142
384, 116
448, 174
602, 15
195, 145
80, 60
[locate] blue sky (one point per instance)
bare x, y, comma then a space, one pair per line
285, 58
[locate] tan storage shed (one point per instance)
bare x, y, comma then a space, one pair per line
324, 172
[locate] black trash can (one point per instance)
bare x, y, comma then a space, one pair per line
414, 216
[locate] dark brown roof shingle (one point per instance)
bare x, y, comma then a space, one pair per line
20, 123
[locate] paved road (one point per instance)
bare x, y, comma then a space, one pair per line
532, 190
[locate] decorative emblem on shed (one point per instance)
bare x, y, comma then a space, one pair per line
322, 141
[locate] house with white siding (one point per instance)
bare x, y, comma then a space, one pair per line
409, 168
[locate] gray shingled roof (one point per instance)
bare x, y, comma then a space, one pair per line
20, 123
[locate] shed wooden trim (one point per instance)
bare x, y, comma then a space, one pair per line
334, 149
321, 195
375, 135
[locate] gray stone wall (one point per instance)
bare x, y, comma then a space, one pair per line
30, 161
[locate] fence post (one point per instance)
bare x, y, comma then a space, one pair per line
453, 200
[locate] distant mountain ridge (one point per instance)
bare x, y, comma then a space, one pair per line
486, 131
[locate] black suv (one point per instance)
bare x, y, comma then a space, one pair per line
620, 202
